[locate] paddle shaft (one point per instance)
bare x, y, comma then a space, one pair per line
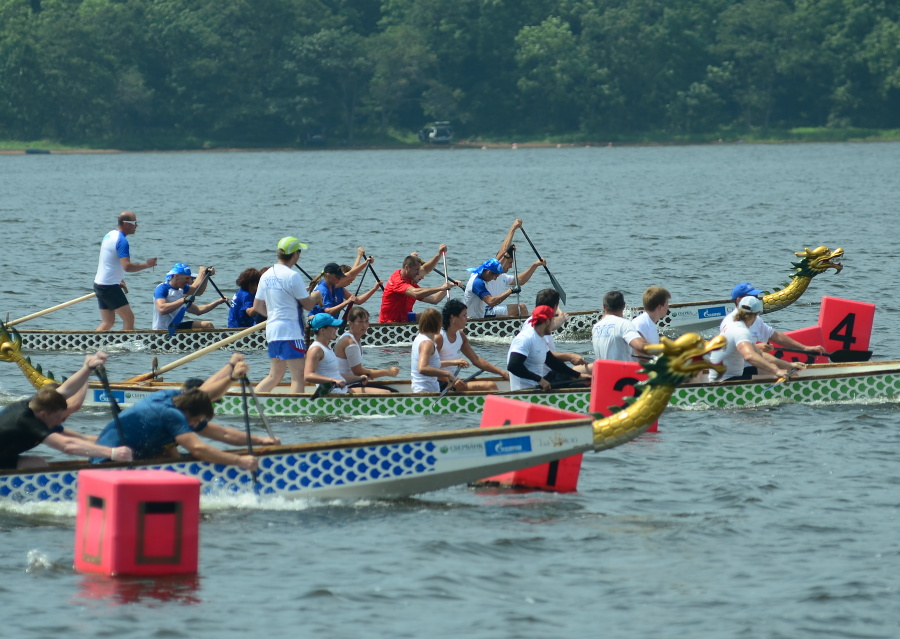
516, 272
444, 256
782, 380
203, 351
227, 301
448, 386
244, 385
259, 409
358, 289
374, 274
835, 356
46, 311
556, 285
300, 268
113, 404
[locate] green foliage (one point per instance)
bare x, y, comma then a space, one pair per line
198, 73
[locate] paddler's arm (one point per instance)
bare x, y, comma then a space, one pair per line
781, 339
525, 275
504, 246
217, 384
432, 295
516, 366
559, 366
78, 446
235, 437
203, 451
134, 267
428, 266
74, 389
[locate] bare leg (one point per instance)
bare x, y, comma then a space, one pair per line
298, 373
107, 319
276, 373
365, 390
127, 317
481, 385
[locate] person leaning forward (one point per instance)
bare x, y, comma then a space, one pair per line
402, 290
109, 282
39, 420
156, 424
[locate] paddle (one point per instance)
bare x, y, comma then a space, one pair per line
247, 428
839, 357
203, 351
444, 275
113, 404
559, 289
322, 390
512, 249
227, 301
781, 380
374, 274
259, 409
51, 309
465, 381
358, 289
444, 256
300, 268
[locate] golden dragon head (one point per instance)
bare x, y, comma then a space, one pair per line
818, 260
680, 359
11, 351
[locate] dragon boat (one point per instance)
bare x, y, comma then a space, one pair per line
682, 318
403, 465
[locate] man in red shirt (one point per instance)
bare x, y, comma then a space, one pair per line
402, 288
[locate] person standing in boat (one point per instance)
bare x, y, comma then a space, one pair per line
155, 426
740, 351
530, 362
281, 297
656, 305
179, 290
402, 289
109, 282
348, 350
425, 360
452, 341
39, 420
761, 332
615, 337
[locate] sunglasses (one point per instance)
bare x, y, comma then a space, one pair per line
129, 222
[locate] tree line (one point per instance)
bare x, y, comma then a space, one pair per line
169, 73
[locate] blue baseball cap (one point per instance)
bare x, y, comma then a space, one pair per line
180, 268
491, 265
743, 290
321, 320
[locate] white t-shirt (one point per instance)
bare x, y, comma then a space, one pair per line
535, 349
735, 332
759, 330
280, 288
109, 269
165, 292
647, 328
477, 307
611, 337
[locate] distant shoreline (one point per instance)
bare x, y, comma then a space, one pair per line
464, 144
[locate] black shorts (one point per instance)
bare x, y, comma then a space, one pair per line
110, 297
185, 325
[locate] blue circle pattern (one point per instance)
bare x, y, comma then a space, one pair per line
278, 474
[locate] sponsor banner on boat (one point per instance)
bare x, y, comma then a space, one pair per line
508, 446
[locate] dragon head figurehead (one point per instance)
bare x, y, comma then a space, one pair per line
680, 359
11, 351
817, 260
676, 361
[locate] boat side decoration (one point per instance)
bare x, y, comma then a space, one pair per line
402, 465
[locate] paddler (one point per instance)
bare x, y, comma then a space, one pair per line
158, 424
402, 289
178, 291
39, 420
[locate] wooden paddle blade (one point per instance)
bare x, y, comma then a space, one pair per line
841, 357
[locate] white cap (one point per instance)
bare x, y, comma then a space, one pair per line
751, 304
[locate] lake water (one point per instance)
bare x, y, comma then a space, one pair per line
772, 522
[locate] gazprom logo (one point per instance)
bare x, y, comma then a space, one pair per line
101, 396
711, 311
509, 446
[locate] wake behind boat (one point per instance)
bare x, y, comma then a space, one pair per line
688, 317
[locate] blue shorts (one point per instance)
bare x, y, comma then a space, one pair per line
110, 296
287, 349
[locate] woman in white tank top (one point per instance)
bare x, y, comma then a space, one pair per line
348, 351
321, 362
425, 360
452, 341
